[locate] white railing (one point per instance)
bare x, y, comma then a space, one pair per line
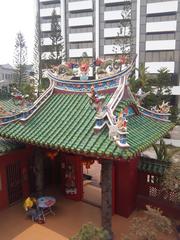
81, 21
158, 116
80, 5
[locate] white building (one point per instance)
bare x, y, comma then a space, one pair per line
7, 76
91, 26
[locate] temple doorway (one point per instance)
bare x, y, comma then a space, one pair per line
92, 183
50, 170
14, 182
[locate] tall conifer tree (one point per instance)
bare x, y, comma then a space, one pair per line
57, 55
20, 58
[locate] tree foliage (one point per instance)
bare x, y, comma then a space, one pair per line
161, 151
149, 226
90, 232
171, 181
162, 84
123, 40
20, 58
158, 86
57, 55
142, 81
28, 90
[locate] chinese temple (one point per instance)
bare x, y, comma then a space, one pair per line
79, 121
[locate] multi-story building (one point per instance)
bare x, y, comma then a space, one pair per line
45, 9
7, 76
87, 26
158, 37
91, 27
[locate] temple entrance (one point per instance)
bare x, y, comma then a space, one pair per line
14, 180
92, 183
50, 170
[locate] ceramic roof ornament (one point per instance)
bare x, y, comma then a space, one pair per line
97, 101
62, 119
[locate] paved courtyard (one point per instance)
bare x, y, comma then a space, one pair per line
70, 215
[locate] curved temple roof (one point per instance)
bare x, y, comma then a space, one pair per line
65, 122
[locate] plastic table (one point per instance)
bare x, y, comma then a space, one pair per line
45, 204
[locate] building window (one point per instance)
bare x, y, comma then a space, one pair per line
150, 179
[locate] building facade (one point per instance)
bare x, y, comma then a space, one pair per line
158, 37
45, 9
92, 26
7, 77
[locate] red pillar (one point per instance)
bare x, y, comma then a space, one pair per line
126, 177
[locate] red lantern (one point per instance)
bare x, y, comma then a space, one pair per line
88, 163
52, 154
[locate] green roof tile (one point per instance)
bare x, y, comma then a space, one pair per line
67, 121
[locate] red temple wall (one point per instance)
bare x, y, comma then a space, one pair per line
126, 182
21, 155
149, 193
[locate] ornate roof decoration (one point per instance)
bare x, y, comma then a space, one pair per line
24, 112
105, 113
65, 120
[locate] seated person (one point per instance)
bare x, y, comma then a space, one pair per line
30, 207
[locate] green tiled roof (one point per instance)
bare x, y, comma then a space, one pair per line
66, 122
153, 166
8, 105
7, 146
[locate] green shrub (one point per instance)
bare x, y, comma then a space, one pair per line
91, 232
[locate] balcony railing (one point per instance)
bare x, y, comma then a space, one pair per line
159, 7
153, 67
81, 37
73, 53
80, 6
113, 2
46, 12
165, 26
81, 21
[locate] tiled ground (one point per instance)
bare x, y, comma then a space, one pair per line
70, 215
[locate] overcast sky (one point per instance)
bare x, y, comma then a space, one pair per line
15, 16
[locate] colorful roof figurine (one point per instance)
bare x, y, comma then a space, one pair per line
66, 118
21, 111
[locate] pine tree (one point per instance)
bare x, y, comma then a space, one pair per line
56, 56
20, 58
